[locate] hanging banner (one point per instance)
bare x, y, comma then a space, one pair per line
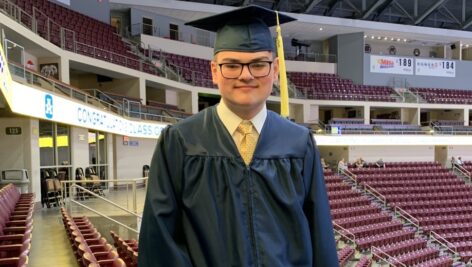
393, 65
434, 67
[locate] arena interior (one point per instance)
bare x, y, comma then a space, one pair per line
88, 85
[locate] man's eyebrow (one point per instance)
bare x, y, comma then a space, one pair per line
235, 60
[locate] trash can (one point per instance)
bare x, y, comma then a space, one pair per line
19, 178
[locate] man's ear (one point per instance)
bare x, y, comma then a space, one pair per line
276, 69
214, 72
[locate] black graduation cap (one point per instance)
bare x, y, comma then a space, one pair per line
245, 29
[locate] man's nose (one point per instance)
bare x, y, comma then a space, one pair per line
246, 73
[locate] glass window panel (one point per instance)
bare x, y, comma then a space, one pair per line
92, 148
46, 143
63, 144
102, 148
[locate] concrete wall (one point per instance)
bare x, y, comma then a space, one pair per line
391, 153
97, 9
350, 57
130, 159
21, 151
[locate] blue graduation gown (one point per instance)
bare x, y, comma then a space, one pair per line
204, 207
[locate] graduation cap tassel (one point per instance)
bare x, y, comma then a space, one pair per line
284, 110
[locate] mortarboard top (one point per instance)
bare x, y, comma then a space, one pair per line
245, 29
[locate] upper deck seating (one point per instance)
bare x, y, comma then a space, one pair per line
84, 34
332, 87
194, 70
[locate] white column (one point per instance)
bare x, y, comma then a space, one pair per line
64, 67
466, 117
366, 114
194, 102
142, 90
32, 155
311, 113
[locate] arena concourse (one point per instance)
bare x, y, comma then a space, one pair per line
87, 86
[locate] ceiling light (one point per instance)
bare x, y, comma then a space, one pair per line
365, 36
372, 37
404, 40
379, 38
391, 39
385, 38
321, 28
398, 39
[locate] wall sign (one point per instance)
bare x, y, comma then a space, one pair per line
393, 65
434, 67
13, 131
43, 105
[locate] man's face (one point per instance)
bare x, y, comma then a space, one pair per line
244, 93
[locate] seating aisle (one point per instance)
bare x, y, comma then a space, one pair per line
50, 246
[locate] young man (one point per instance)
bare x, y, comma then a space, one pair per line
237, 185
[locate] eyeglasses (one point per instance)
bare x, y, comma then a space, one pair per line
257, 69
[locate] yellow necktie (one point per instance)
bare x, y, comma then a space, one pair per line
248, 142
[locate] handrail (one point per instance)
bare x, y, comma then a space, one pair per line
132, 181
375, 193
349, 175
462, 170
105, 216
99, 197
344, 232
448, 245
33, 77
377, 251
407, 216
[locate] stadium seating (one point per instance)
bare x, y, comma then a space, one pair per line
331, 87
82, 34
89, 247
450, 126
432, 195
344, 255
195, 71
377, 126
127, 249
16, 225
444, 96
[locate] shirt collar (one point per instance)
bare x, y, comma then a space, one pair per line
231, 120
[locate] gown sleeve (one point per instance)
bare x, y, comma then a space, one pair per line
161, 242
317, 210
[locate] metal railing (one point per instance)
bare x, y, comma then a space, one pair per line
195, 37
101, 214
379, 254
461, 170
92, 97
310, 57
71, 190
349, 175
327, 130
375, 193
443, 242
407, 216
313, 93
449, 130
348, 235
69, 194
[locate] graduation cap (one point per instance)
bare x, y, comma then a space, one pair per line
245, 29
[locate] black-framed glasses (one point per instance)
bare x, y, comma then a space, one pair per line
258, 69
